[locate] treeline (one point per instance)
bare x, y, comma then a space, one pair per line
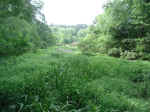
67, 34
23, 27
121, 31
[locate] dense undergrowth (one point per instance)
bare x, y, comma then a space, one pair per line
50, 81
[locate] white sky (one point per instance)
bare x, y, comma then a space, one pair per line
72, 11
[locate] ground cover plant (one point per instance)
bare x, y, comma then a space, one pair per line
50, 81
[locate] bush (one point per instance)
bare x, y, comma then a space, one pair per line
122, 25
16, 36
96, 45
145, 56
114, 52
47, 39
129, 55
143, 44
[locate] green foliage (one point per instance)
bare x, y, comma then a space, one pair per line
127, 23
23, 9
129, 55
47, 38
52, 81
16, 36
20, 31
95, 45
114, 52
68, 34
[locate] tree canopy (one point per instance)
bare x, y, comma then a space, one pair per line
123, 29
20, 27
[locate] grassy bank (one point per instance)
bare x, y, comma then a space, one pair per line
50, 81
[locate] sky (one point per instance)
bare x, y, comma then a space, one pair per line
71, 12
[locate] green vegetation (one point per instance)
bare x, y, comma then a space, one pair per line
20, 30
63, 82
67, 34
121, 31
36, 76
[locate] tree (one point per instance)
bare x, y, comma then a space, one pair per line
16, 36
24, 9
67, 34
124, 25
20, 29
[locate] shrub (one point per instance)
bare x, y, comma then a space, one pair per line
129, 55
98, 44
125, 24
47, 39
145, 56
16, 36
114, 52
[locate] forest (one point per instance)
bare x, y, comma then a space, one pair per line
67, 34
102, 67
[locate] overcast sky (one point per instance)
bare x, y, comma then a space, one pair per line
72, 11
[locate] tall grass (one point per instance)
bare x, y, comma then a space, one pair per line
48, 81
